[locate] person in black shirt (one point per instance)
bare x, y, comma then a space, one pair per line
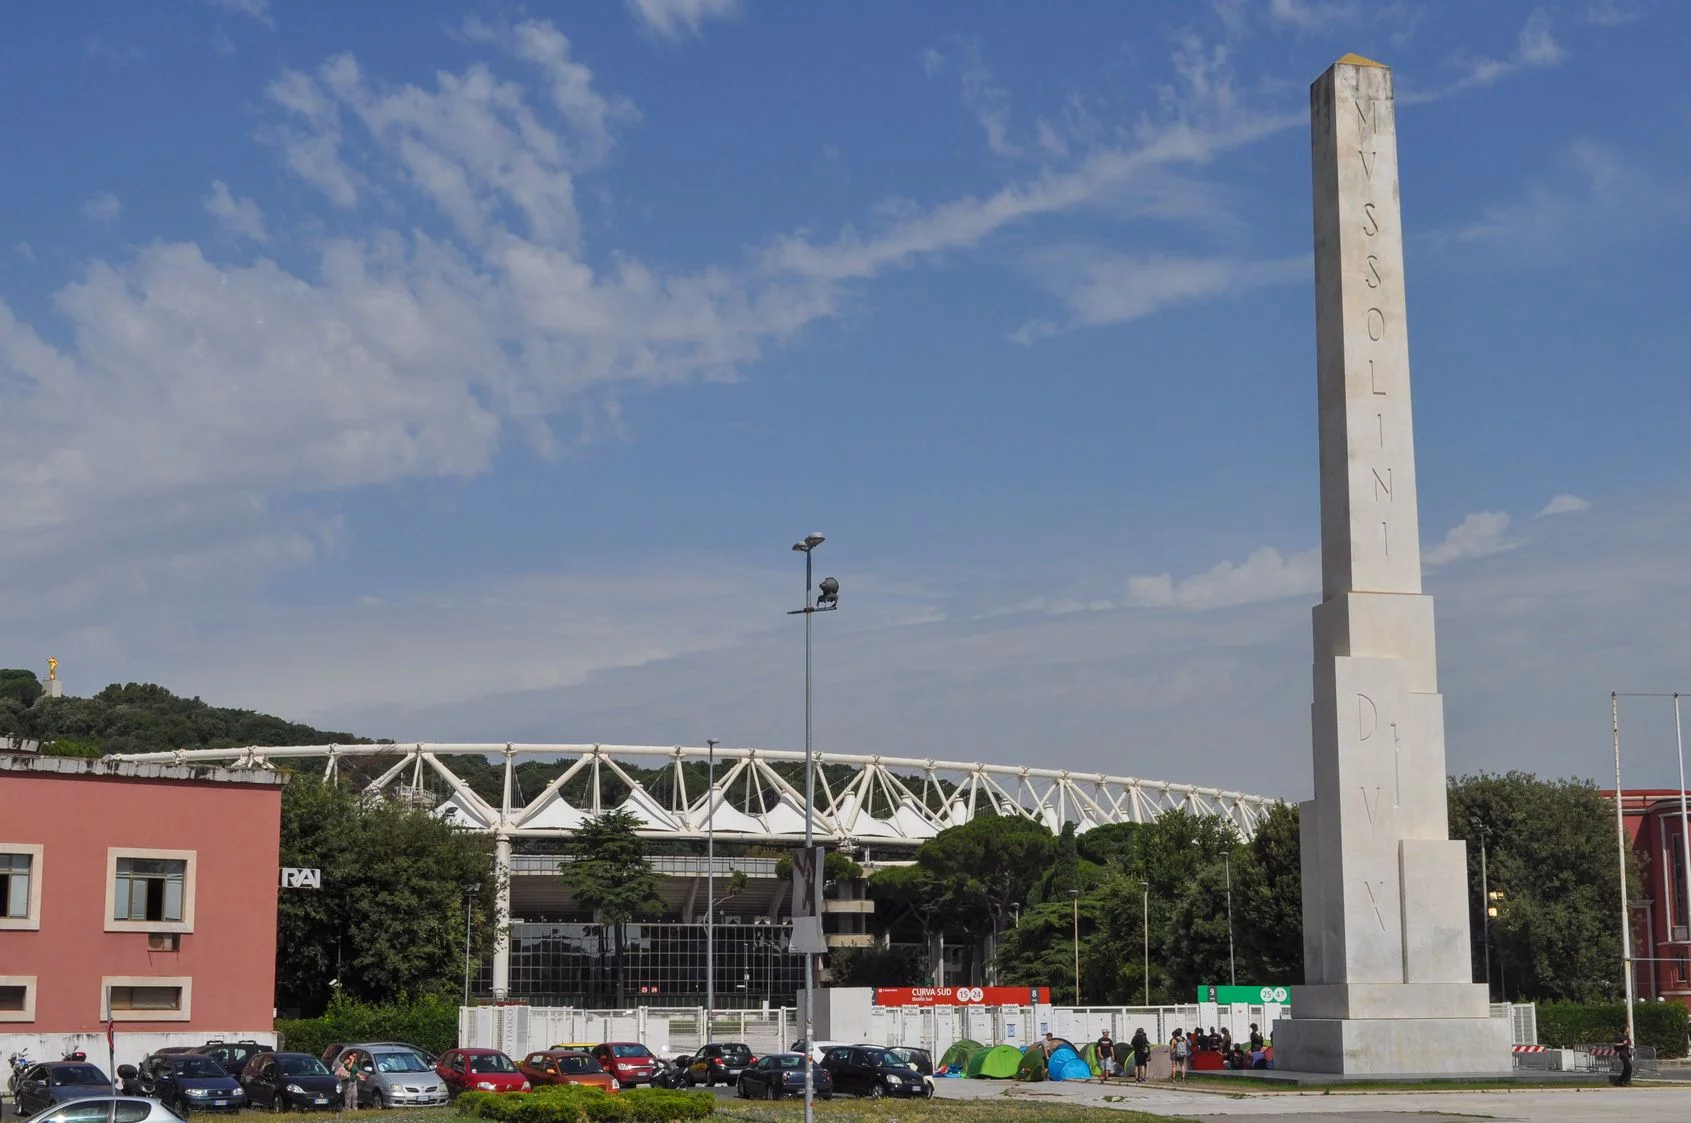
1623, 1051
1256, 1038
1141, 1054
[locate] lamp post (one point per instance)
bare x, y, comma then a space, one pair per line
710, 890
1232, 969
1145, 886
1620, 846
1485, 910
469, 904
827, 599
1075, 893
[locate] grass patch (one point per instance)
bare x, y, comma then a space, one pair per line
992, 1110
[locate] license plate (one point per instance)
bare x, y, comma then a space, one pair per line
220, 1103
321, 1100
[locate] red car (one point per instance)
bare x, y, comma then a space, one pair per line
479, 1070
629, 1061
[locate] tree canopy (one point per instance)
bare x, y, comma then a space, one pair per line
608, 871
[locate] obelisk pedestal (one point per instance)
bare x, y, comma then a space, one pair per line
1387, 964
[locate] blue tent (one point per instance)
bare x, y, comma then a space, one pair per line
1067, 1064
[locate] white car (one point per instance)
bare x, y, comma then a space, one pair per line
107, 1109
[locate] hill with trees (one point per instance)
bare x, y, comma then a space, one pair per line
139, 718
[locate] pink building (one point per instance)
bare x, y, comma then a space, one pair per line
141, 893
1661, 928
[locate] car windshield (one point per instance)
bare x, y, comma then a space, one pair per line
879, 1057
198, 1068
787, 1060
491, 1062
736, 1054
400, 1062
300, 1066
639, 1051
72, 1076
578, 1064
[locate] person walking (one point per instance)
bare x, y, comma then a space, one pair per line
1179, 1053
1141, 1044
1106, 1056
1256, 1038
1226, 1040
1623, 1052
349, 1074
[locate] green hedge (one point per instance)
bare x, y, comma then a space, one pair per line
1660, 1025
430, 1023
570, 1103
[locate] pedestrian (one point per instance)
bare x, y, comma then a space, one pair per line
1623, 1052
1106, 1056
1256, 1038
1141, 1054
1050, 1045
349, 1074
1213, 1041
1179, 1053
1226, 1040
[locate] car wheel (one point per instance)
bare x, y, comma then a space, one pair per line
773, 1092
824, 1095
877, 1090
378, 1100
740, 1090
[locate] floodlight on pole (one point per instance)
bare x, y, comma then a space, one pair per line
710, 889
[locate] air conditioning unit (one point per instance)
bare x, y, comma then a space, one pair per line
164, 941
1681, 934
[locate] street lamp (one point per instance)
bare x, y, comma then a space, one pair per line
1227, 868
469, 904
1075, 893
710, 890
1145, 886
827, 600
1486, 911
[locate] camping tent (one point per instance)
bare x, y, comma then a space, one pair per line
1032, 1067
952, 1061
1066, 1063
997, 1063
1089, 1054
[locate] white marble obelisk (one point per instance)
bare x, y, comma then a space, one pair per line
1387, 963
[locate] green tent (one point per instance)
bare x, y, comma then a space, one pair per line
1032, 1066
997, 1063
1089, 1054
958, 1055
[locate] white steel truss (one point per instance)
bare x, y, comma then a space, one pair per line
886, 801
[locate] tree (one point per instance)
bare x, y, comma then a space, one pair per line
388, 923
1268, 900
608, 872
984, 867
875, 967
905, 894
1551, 851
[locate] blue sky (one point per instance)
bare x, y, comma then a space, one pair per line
465, 372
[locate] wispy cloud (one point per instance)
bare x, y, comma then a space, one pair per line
1314, 15
253, 9
1613, 13
1535, 49
1102, 288
1264, 576
980, 93
1564, 504
240, 217
673, 18
1477, 535
104, 207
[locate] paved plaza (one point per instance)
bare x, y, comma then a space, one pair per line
1639, 1104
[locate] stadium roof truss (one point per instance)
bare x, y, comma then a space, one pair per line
757, 796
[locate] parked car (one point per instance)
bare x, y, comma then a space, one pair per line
395, 1075
232, 1055
919, 1059
56, 1082
817, 1050
189, 1082
479, 1070
289, 1082
779, 1074
566, 1066
719, 1063
629, 1061
869, 1070
108, 1109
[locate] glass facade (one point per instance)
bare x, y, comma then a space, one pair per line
575, 965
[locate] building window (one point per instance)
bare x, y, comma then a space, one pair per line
150, 891
145, 998
1679, 968
20, 885
17, 998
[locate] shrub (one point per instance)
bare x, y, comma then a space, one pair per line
1660, 1025
430, 1023
570, 1103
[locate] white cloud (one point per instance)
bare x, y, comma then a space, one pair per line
1313, 15
104, 207
1565, 504
1102, 288
240, 217
1266, 575
25, 251
1477, 535
673, 18
1612, 13
1535, 48
253, 9
980, 93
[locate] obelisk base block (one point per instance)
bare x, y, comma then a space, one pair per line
1393, 1046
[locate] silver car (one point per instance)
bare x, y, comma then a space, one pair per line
107, 1109
393, 1075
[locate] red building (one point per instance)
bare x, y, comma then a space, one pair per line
141, 893
1661, 931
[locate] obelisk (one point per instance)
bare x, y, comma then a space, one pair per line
1389, 979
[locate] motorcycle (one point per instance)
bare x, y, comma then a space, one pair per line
19, 1062
671, 1074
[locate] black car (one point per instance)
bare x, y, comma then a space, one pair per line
919, 1059
719, 1064
57, 1082
232, 1055
869, 1070
780, 1074
189, 1082
289, 1082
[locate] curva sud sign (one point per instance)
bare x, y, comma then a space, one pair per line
962, 996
